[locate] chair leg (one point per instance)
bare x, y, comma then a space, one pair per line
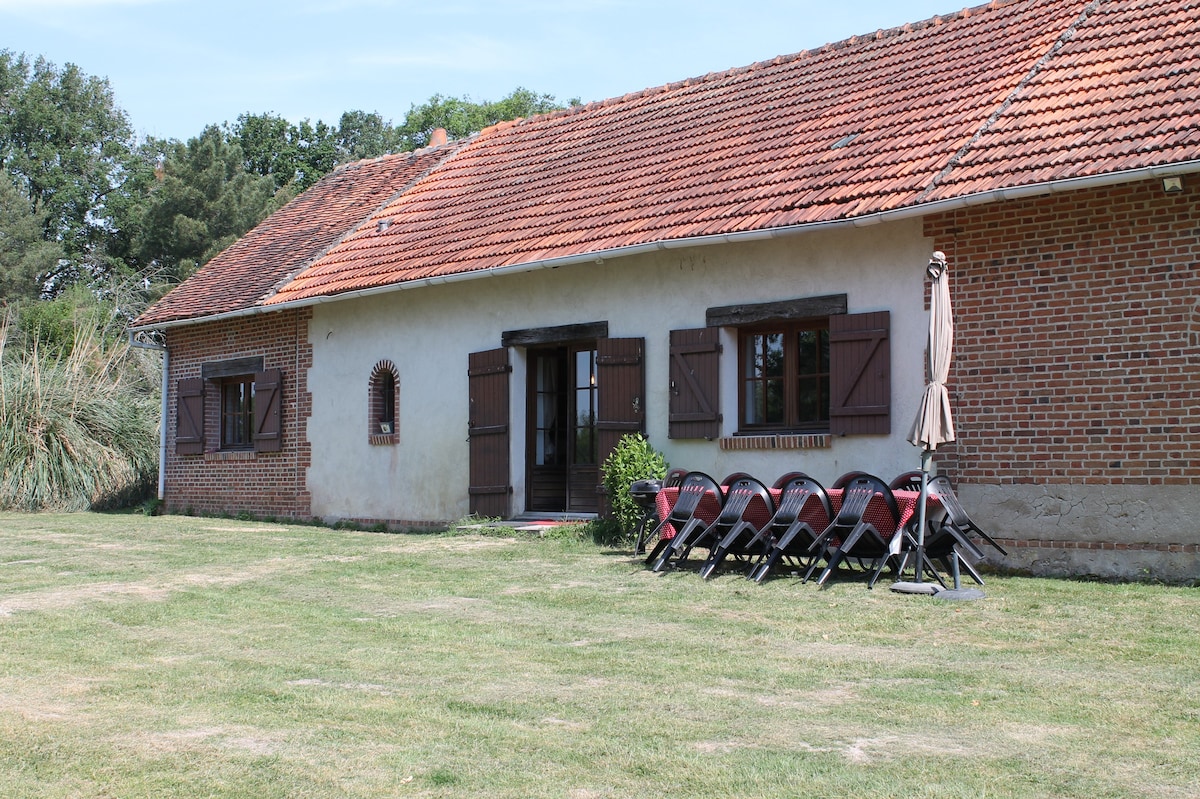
831, 567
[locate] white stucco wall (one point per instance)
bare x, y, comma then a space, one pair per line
428, 333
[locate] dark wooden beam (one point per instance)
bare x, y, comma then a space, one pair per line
214, 370
777, 311
561, 334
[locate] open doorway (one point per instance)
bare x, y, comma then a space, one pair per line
561, 455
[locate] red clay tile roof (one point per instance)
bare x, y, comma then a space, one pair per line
249, 270
1007, 95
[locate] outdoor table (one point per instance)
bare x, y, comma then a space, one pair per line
877, 512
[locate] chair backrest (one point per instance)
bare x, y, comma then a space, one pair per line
739, 495
691, 492
796, 494
940, 487
787, 478
845, 479
909, 481
674, 478
859, 492
733, 478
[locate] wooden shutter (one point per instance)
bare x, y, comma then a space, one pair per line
189, 417
695, 409
488, 432
268, 396
620, 392
860, 374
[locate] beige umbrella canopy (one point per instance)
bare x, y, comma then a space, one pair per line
933, 424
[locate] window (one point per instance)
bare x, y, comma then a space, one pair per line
382, 411
803, 366
237, 412
245, 405
785, 376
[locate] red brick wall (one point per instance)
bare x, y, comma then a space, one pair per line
259, 483
1077, 350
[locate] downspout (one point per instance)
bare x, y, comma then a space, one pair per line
162, 419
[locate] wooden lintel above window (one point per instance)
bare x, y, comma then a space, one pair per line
777, 311
561, 334
214, 370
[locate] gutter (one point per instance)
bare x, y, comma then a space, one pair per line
879, 217
162, 420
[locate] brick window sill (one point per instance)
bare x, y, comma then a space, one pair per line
777, 441
231, 455
384, 439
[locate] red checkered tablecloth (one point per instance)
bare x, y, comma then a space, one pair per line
877, 512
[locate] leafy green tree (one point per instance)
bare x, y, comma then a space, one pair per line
26, 259
364, 135
291, 155
202, 201
67, 147
460, 116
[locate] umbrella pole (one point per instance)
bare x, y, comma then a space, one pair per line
926, 457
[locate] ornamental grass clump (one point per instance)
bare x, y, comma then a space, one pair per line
78, 425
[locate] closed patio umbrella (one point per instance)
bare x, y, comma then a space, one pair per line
933, 424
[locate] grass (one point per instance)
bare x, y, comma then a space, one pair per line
176, 656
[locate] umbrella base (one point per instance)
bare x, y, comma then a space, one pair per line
960, 594
909, 587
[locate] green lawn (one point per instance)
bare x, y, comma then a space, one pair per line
188, 657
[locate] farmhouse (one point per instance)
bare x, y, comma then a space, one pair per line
734, 265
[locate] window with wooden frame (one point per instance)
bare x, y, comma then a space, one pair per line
243, 399
804, 366
382, 417
784, 372
237, 412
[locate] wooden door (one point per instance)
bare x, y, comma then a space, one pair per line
488, 433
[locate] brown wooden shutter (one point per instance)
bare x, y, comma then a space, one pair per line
695, 409
189, 417
620, 392
268, 396
488, 432
860, 374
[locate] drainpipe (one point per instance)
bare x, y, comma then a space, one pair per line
162, 418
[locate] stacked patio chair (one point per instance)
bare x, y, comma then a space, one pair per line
747, 510
909, 481
790, 534
645, 492
735, 496
856, 535
946, 539
685, 515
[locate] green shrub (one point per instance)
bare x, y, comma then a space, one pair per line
632, 459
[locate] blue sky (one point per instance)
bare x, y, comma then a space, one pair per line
177, 65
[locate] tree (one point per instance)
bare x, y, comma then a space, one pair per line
298, 155
364, 135
26, 259
461, 117
67, 147
203, 200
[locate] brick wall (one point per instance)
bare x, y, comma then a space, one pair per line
1077, 350
259, 483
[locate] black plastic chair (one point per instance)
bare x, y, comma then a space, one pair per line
857, 537
909, 481
789, 536
641, 489
948, 538
683, 516
735, 529
703, 533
